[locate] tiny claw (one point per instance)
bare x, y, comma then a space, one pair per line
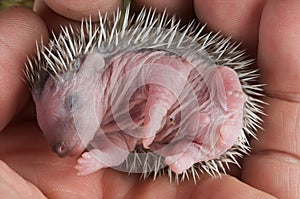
147, 142
180, 162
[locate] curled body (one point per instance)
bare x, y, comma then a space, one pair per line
140, 95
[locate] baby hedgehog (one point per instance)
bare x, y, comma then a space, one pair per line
145, 94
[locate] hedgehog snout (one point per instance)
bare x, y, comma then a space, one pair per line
61, 149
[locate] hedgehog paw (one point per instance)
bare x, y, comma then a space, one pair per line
180, 163
236, 99
88, 163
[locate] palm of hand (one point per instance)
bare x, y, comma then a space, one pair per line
31, 157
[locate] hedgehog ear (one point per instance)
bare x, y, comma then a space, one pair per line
92, 64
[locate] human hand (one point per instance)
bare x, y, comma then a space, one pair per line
273, 166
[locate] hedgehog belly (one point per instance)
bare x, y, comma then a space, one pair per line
159, 103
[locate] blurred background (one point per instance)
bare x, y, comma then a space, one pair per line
8, 3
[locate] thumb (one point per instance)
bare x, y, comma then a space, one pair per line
14, 186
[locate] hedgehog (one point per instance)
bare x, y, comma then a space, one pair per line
145, 94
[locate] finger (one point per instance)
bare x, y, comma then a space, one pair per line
237, 18
14, 186
181, 8
76, 9
159, 189
207, 187
227, 187
279, 49
275, 163
53, 20
19, 29
56, 13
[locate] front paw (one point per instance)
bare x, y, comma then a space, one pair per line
88, 163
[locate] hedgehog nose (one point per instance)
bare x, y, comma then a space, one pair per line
60, 148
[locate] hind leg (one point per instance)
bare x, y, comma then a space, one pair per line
235, 100
215, 143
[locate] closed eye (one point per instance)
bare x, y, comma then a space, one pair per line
71, 101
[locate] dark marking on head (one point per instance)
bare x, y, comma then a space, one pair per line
71, 101
39, 87
77, 63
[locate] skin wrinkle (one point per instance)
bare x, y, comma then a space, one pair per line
289, 187
60, 190
104, 187
284, 124
16, 23
279, 155
225, 187
94, 187
283, 143
133, 191
64, 194
297, 191
282, 95
268, 174
294, 145
131, 183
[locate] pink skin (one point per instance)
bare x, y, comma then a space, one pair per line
163, 94
227, 133
59, 108
69, 130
